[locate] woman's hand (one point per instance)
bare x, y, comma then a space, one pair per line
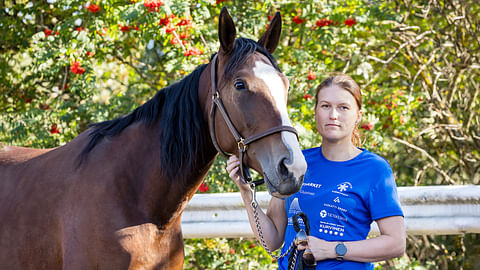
273, 223
233, 165
389, 244
321, 249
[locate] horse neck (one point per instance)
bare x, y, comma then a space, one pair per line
161, 199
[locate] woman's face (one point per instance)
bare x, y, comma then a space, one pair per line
336, 114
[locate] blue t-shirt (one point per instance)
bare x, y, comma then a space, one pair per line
341, 199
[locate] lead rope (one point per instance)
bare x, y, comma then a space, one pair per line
307, 260
294, 260
301, 236
254, 205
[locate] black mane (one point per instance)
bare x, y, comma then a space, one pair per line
181, 124
182, 127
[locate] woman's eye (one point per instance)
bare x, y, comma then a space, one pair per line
239, 85
325, 106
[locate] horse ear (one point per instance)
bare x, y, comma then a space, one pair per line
226, 31
270, 38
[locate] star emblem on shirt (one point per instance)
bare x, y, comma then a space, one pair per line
344, 186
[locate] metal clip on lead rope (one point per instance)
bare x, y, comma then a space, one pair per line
254, 195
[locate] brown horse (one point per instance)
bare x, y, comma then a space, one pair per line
112, 198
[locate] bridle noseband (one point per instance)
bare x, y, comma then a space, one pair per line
242, 143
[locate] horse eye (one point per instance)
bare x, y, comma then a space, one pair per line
240, 85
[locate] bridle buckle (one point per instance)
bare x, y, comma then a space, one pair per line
241, 145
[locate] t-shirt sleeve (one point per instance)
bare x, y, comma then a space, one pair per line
383, 196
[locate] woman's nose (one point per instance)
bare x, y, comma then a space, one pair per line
333, 114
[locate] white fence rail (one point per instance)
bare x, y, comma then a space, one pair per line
428, 210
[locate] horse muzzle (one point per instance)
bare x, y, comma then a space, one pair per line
284, 188
284, 175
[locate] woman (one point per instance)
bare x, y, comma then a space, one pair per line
344, 190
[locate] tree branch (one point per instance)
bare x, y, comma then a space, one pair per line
435, 163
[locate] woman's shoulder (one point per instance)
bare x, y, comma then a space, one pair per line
313, 155
364, 159
375, 160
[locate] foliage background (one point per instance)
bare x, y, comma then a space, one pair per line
67, 63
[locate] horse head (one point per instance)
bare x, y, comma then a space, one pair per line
250, 92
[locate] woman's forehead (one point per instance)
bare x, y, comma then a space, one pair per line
335, 94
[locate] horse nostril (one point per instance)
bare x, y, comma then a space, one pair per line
283, 170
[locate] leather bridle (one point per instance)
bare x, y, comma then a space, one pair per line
242, 143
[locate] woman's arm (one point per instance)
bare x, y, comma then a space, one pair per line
273, 223
389, 244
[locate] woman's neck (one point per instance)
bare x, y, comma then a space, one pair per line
339, 151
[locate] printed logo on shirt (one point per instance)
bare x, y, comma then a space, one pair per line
335, 207
340, 205
343, 187
331, 229
324, 214
306, 186
314, 185
294, 209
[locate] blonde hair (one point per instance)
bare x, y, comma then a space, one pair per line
347, 83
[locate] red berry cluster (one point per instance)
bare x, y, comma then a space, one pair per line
179, 32
76, 68
323, 22
350, 22
153, 5
193, 51
93, 8
367, 126
127, 28
203, 187
298, 20
54, 129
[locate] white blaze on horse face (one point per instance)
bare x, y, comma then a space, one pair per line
270, 76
